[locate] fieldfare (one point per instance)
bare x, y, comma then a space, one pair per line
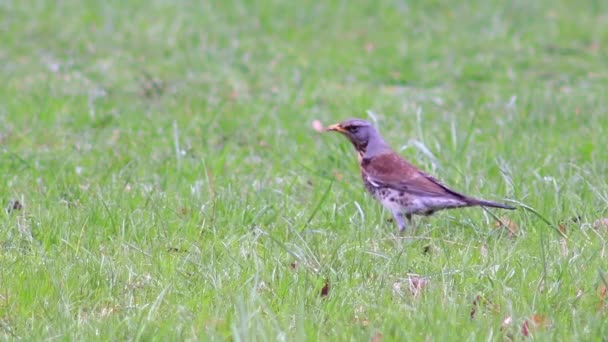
397, 184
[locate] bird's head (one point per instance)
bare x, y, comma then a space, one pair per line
361, 134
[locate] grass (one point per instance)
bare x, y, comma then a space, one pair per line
172, 187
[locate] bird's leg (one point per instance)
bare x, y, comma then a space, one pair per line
410, 223
400, 219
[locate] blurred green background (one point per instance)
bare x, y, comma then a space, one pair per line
170, 185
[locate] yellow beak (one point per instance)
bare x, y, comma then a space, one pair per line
336, 127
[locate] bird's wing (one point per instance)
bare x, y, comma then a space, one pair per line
392, 171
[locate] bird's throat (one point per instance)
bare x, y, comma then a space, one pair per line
360, 147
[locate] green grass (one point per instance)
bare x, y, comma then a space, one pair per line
169, 175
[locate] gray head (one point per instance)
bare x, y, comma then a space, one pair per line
363, 135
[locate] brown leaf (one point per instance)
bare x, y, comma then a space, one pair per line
325, 289
14, 205
474, 309
377, 337
541, 321
176, 250
601, 292
370, 47
482, 303
525, 330
476, 303
507, 224
535, 323
294, 265
566, 223
318, 126
417, 284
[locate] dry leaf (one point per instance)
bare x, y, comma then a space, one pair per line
475, 304
427, 249
417, 284
363, 321
262, 287
397, 288
601, 224
14, 205
107, 311
483, 250
325, 289
482, 303
525, 330
563, 247
537, 322
370, 47
562, 228
601, 292
317, 126
541, 321
294, 265
507, 224
360, 316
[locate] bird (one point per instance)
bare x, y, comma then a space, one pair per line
398, 185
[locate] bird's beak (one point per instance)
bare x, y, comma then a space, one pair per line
336, 128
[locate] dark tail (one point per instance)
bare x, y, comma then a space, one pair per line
484, 203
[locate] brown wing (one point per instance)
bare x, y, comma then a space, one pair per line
392, 171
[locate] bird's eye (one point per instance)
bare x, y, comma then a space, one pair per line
353, 129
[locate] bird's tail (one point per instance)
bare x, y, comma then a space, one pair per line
485, 203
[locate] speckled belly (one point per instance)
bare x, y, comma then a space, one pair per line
403, 202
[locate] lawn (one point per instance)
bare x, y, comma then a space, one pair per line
161, 178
